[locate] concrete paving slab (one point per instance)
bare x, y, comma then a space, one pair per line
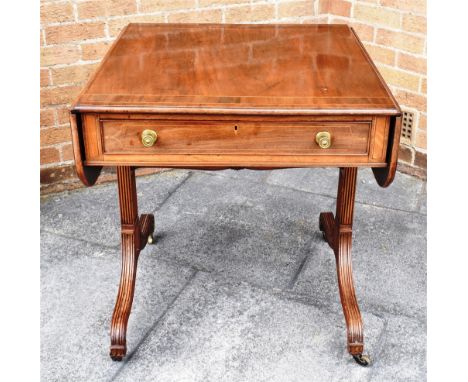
402, 194
269, 311
92, 214
222, 331
402, 354
389, 264
79, 283
242, 229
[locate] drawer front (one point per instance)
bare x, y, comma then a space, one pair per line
229, 142
249, 138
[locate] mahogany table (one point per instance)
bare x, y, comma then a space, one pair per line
208, 96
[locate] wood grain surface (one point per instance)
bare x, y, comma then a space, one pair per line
246, 69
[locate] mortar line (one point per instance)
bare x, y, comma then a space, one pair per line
130, 355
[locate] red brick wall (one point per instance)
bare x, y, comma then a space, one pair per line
394, 34
75, 35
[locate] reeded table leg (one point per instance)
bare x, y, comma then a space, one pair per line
136, 232
337, 232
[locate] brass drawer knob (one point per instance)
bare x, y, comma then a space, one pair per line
323, 139
149, 138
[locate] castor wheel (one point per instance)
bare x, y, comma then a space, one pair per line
361, 359
117, 352
150, 239
324, 236
116, 358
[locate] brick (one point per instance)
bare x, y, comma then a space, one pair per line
402, 167
72, 74
47, 117
63, 116
57, 174
104, 8
59, 95
405, 154
66, 185
252, 13
324, 6
415, 64
94, 51
116, 25
60, 34
295, 9
340, 8
420, 159
377, 15
164, 5
421, 140
55, 55
422, 122
423, 87
49, 155
335, 7
206, 16
399, 40
364, 32
67, 152
416, 6
414, 23
413, 100
399, 78
56, 12
381, 54
45, 80
55, 135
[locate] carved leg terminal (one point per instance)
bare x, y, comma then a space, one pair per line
136, 232
337, 231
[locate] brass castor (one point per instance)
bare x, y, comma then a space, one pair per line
150, 239
117, 352
361, 359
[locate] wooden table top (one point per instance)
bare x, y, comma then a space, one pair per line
237, 69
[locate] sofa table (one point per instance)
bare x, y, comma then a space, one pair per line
209, 96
